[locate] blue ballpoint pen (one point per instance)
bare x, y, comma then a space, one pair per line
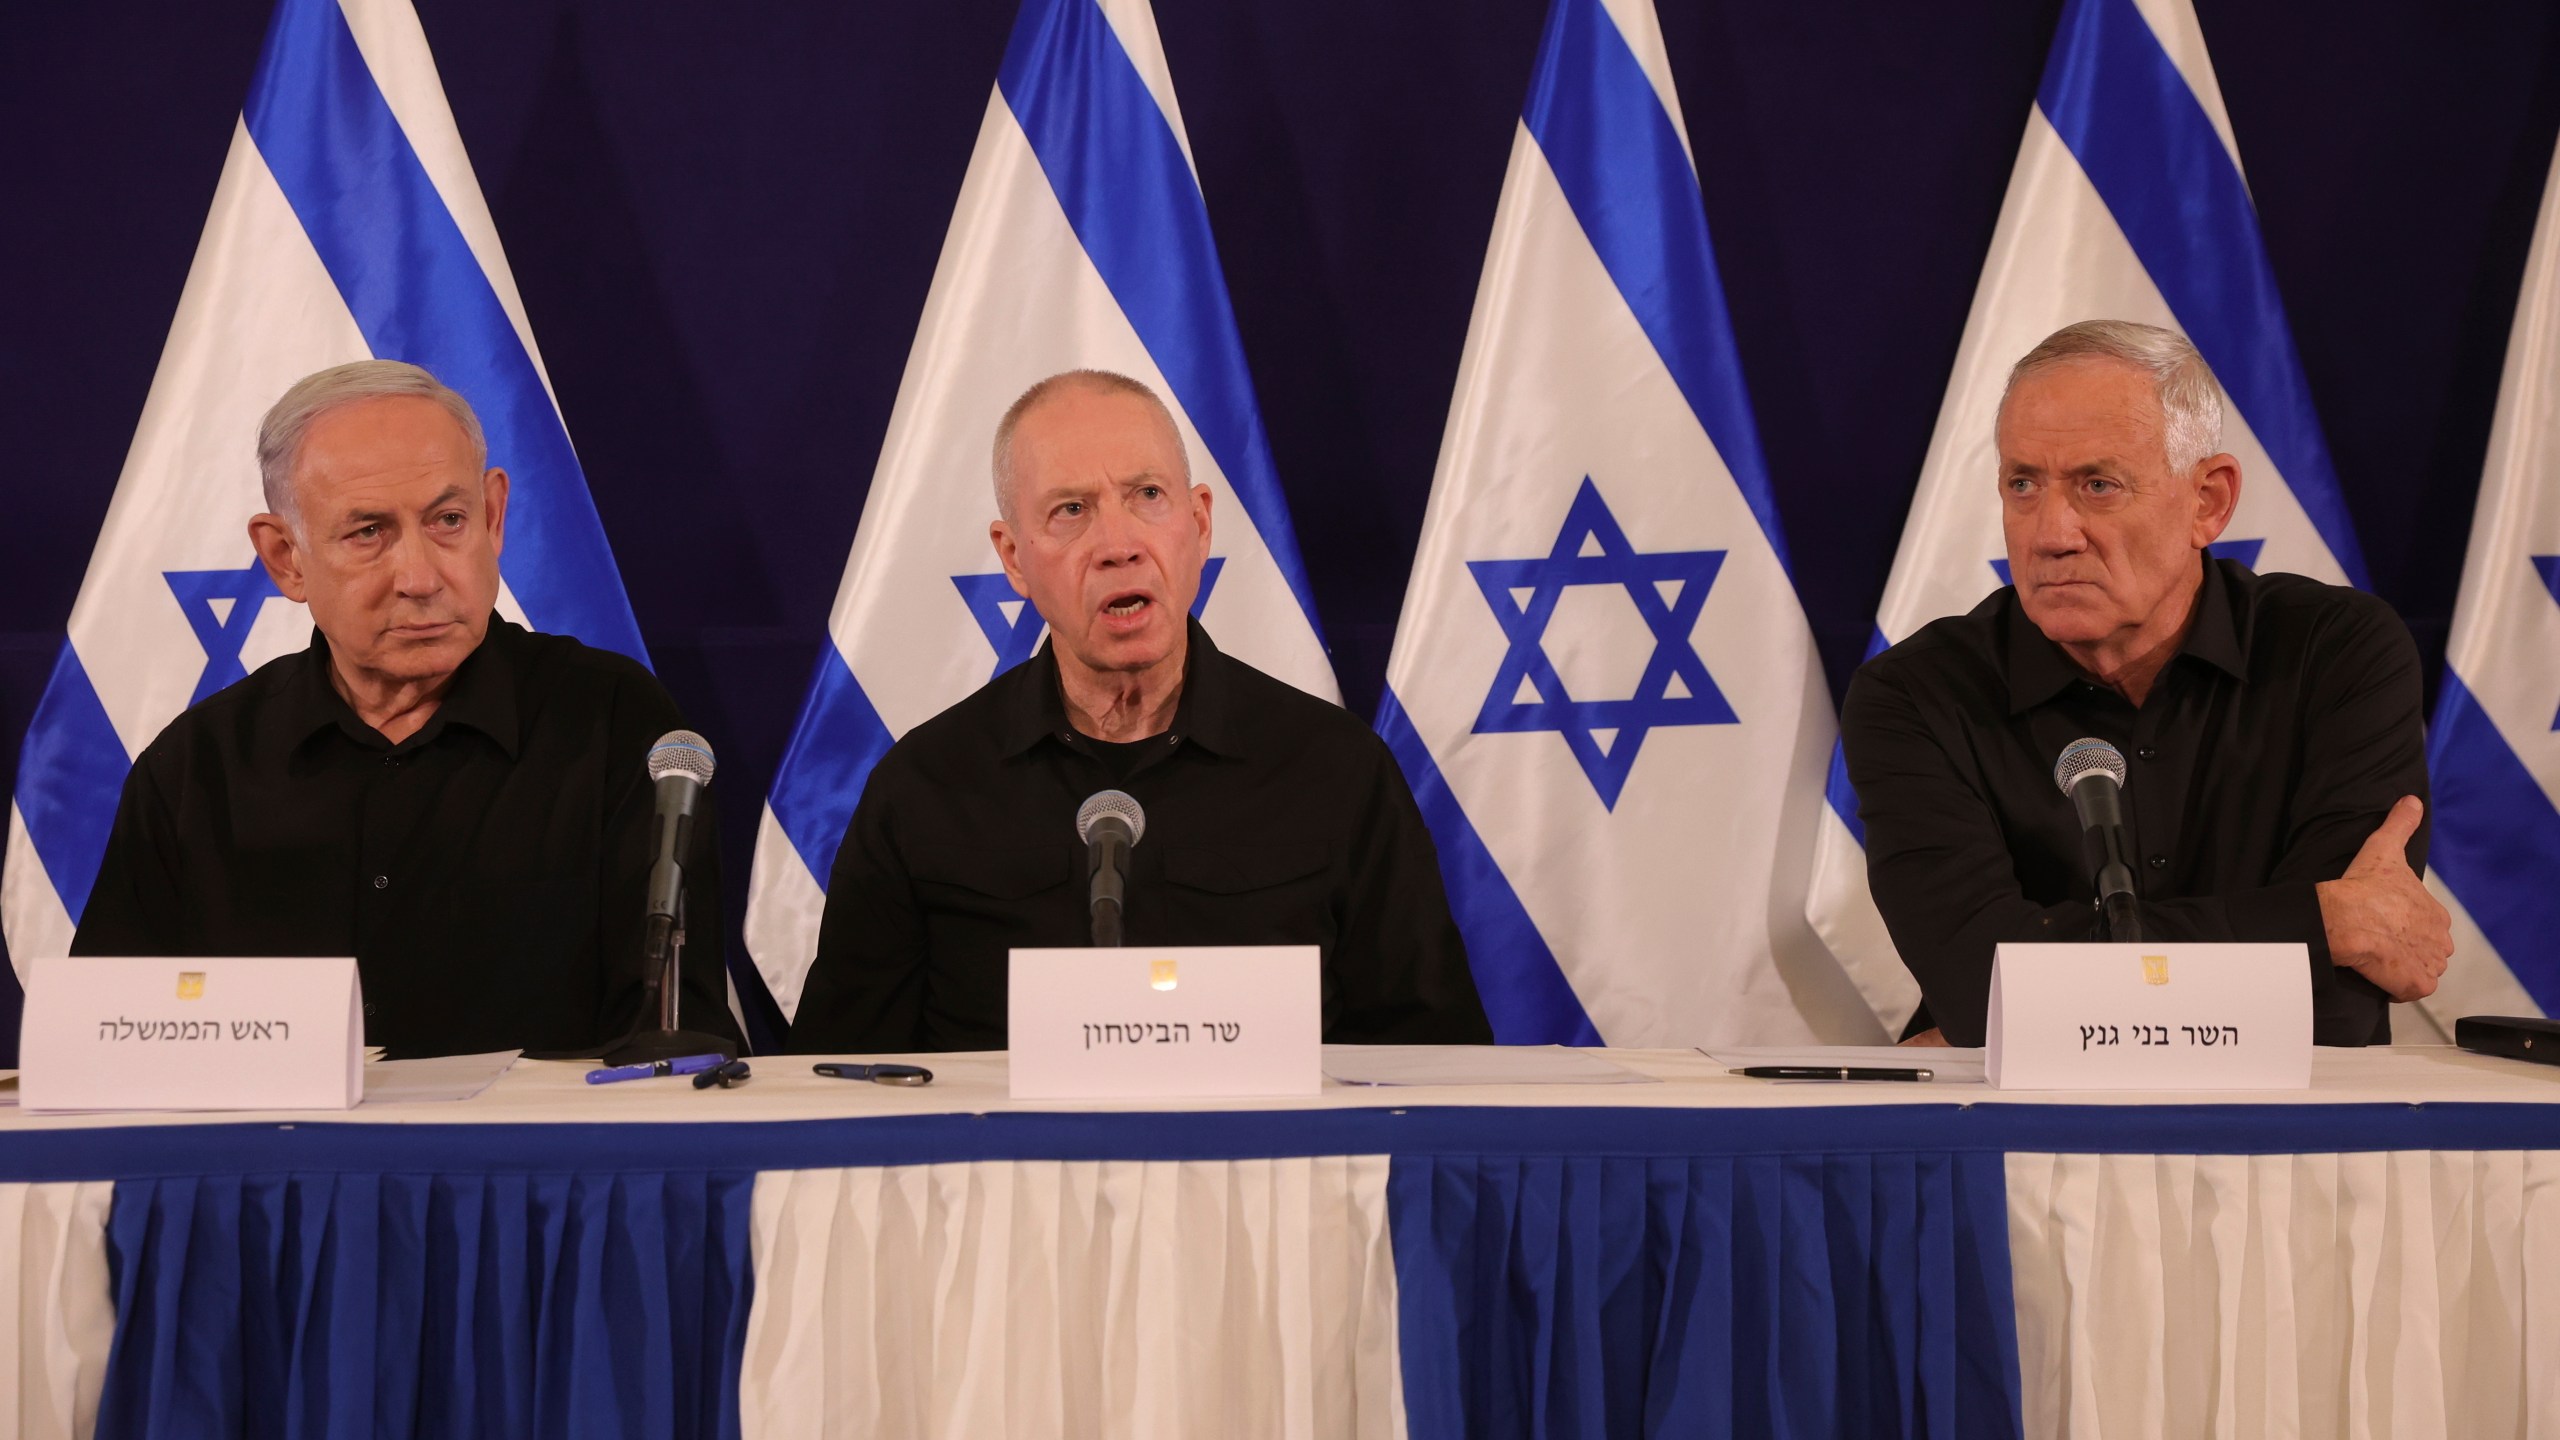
681, 1065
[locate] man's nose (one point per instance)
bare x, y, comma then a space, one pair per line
414, 572
1115, 534
2058, 529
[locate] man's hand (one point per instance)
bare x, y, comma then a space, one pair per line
1933, 1037
2381, 922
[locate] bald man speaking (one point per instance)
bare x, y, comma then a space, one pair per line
1272, 817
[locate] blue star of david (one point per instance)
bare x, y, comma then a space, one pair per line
2244, 551
1013, 627
2549, 568
221, 632
1669, 589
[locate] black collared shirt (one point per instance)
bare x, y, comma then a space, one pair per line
2264, 755
488, 873
1272, 817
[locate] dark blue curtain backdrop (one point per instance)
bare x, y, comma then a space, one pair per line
723, 220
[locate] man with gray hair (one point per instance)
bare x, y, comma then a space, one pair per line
456, 801
1272, 817
2270, 724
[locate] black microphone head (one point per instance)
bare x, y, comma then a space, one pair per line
681, 752
2085, 757
1118, 804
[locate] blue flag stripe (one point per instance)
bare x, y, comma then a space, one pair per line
2495, 840
839, 738
70, 772
1128, 191
1524, 990
418, 294
2145, 142
1620, 163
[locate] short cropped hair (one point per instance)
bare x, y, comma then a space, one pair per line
2190, 399
1106, 382
290, 419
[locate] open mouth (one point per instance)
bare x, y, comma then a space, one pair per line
1122, 607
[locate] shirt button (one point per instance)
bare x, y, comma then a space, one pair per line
371, 1009
2159, 862
2148, 752
1173, 739
383, 882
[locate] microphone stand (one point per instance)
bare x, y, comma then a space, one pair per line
670, 1039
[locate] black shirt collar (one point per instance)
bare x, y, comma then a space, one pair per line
1206, 713
2039, 670
483, 697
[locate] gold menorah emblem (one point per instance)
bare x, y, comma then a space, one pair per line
2155, 969
1164, 974
190, 984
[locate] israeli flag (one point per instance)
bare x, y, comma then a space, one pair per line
1604, 692
2493, 754
1080, 241
347, 225
2128, 203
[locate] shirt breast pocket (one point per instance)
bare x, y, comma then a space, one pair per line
1255, 894
991, 880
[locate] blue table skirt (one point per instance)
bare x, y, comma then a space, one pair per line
1561, 1272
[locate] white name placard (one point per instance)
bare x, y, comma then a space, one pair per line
2165, 1016
1166, 1023
203, 1034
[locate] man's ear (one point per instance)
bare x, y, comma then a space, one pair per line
1200, 497
493, 501
2217, 496
1000, 535
272, 537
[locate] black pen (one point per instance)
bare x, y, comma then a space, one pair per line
877, 1074
1829, 1072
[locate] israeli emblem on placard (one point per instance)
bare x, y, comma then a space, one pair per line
1164, 974
2155, 969
190, 984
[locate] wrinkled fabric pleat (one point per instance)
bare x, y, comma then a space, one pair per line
1743, 1296
2390, 1295
310, 1305
1040, 1299
57, 1315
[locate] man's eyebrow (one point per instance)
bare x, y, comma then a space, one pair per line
445, 497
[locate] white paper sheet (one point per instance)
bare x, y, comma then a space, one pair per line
1472, 1065
434, 1080
1948, 1065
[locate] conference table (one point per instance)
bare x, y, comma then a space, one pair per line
1690, 1254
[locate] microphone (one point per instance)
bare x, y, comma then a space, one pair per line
680, 766
1109, 822
2091, 772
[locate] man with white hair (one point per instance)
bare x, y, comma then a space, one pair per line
460, 803
2270, 724
1272, 816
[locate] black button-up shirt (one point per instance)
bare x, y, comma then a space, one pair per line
1273, 818
2263, 757
488, 873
